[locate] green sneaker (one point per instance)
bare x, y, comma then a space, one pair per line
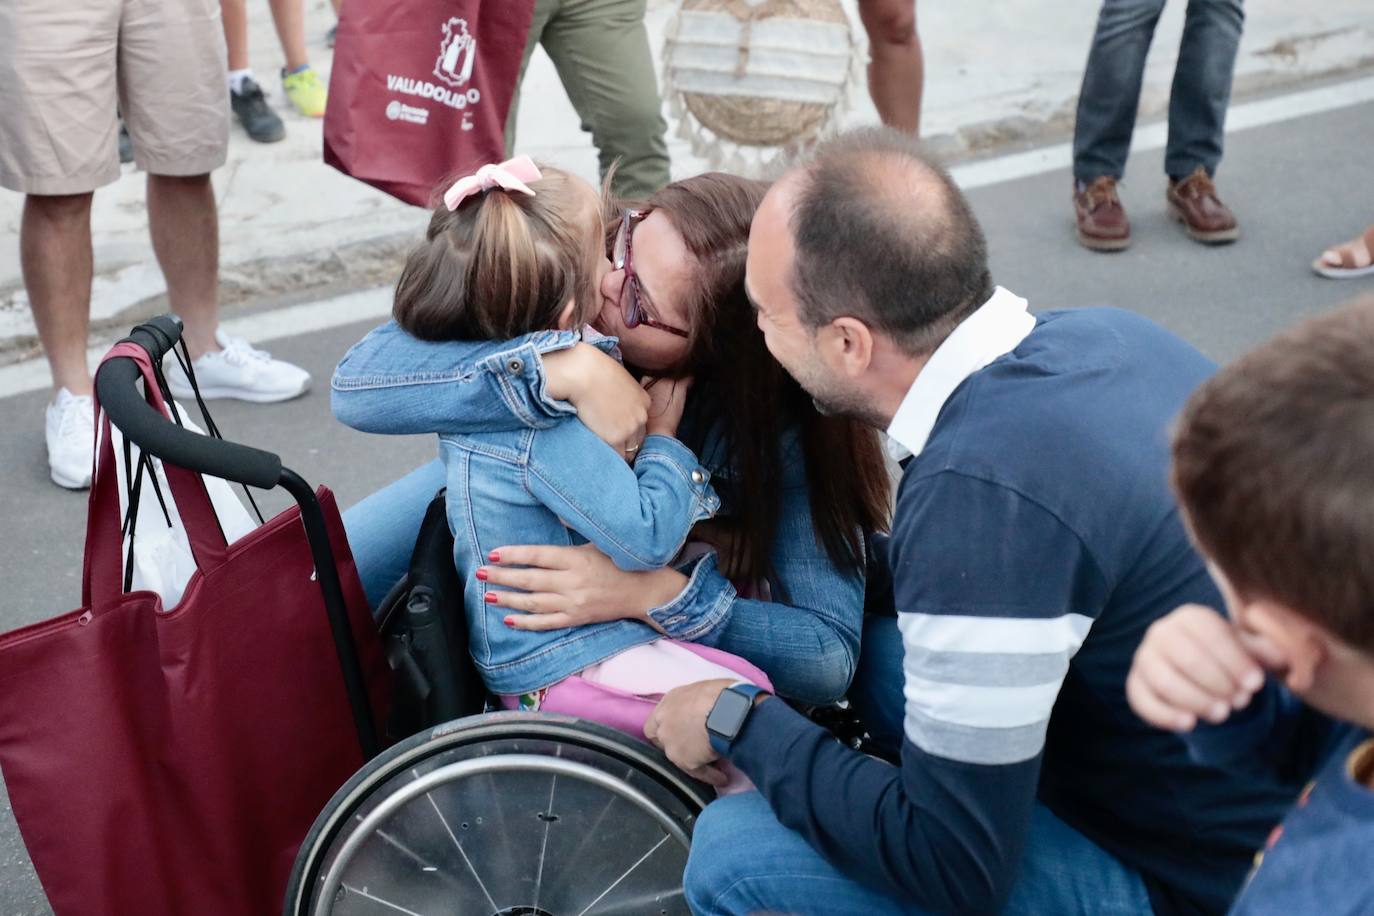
306, 91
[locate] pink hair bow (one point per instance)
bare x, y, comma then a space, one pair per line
510, 175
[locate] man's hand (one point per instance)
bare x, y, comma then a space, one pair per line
1192, 664
678, 725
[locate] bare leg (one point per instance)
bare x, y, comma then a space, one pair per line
55, 255
289, 18
896, 72
235, 16
184, 224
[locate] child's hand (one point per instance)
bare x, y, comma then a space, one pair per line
608, 399
1191, 665
667, 399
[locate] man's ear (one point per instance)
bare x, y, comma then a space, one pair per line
846, 344
565, 316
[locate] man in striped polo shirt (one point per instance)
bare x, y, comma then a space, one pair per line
1034, 541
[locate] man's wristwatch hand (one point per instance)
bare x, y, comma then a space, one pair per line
731, 710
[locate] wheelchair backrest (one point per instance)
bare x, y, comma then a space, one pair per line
425, 633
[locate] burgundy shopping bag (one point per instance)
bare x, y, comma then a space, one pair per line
420, 89
169, 761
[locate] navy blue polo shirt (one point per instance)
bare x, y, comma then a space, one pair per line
1035, 539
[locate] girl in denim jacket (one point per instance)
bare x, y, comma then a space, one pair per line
511, 251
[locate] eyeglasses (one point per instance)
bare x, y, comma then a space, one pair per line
632, 297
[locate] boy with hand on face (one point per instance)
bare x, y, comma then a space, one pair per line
1274, 470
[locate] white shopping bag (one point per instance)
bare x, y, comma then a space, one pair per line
162, 558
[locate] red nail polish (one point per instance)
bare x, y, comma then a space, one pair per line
491, 597
481, 574
493, 557
510, 622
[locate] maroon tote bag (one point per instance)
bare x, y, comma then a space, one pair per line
420, 89
169, 761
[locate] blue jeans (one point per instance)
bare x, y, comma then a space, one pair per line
383, 527
744, 862
1198, 99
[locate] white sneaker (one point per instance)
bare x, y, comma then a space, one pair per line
238, 371
71, 440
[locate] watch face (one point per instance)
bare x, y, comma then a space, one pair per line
728, 715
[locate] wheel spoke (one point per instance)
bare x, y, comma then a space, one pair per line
462, 852
642, 859
401, 846
544, 846
375, 899
645, 903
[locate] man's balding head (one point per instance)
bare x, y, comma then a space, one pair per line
879, 231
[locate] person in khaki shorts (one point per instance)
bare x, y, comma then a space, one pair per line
66, 68
601, 51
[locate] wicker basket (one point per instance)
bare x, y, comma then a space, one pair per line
754, 78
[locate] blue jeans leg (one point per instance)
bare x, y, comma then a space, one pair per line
1110, 95
743, 861
383, 527
1066, 874
1202, 85
877, 688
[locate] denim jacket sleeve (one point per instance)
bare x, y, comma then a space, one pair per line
807, 641
639, 517
390, 382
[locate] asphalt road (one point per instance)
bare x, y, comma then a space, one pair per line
1296, 187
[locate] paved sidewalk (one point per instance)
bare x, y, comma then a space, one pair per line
997, 74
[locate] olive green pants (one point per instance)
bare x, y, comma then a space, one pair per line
601, 51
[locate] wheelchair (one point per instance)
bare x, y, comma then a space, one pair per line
491, 813
469, 811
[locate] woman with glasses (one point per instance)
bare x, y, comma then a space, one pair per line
799, 491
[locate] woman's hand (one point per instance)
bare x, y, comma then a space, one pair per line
608, 399
573, 586
667, 399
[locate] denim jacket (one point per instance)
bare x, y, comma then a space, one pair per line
806, 639
555, 484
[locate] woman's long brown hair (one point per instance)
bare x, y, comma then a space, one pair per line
739, 389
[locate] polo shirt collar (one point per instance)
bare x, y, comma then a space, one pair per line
994, 330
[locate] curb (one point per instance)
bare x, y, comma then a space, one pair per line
377, 260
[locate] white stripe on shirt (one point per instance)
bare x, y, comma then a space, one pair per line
1009, 635
980, 707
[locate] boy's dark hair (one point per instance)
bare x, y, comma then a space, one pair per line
503, 264
883, 234
1274, 468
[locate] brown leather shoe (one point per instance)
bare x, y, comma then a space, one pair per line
1194, 203
1102, 223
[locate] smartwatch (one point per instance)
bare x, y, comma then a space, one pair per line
726, 719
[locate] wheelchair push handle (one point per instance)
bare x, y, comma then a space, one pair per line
160, 437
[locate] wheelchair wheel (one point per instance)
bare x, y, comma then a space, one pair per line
504, 814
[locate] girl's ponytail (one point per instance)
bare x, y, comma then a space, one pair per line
503, 263
504, 268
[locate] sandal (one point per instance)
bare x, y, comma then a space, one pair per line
1345, 262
